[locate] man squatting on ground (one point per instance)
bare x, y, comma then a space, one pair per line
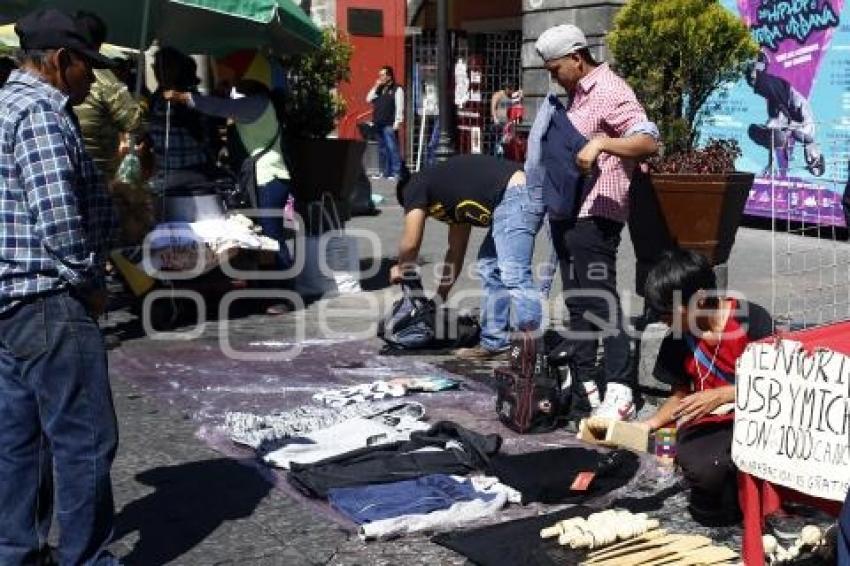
484, 191
56, 411
708, 333
605, 111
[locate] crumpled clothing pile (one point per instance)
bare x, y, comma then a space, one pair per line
383, 389
269, 431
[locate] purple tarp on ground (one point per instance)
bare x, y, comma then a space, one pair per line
196, 378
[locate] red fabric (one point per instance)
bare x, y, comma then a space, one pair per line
835, 337
733, 344
758, 499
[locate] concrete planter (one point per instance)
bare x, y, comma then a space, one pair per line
691, 211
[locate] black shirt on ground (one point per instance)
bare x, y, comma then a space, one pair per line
548, 476
462, 190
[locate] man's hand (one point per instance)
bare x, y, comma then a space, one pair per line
396, 275
586, 158
697, 405
176, 96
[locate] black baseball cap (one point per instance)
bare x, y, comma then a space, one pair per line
54, 29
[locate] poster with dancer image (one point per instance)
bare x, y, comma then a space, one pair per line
791, 113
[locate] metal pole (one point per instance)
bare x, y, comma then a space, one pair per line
445, 146
143, 43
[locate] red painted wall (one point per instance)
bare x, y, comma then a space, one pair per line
464, 11
370, 54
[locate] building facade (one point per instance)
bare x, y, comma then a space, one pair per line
530, 18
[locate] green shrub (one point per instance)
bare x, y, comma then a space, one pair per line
312, 105
675, 54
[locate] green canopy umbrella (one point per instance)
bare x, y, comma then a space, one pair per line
211, 26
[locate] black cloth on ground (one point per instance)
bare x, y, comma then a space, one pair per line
516, 543
547, 476
455, 450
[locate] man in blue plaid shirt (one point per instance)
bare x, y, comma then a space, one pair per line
56, 409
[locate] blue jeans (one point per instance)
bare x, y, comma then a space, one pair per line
389, 152
505, 267
54, 385
272, 197
367, 503
550, 266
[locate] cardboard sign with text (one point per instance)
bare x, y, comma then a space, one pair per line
792, 418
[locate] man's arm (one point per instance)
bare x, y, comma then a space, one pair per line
244, 110
124, 110
632, 147
699, 404
49, 181
494, 104
453, 263
622, 119
399, 107
373, 94
666, 413
411, 241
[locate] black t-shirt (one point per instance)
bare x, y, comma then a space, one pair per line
676, 355
462, 190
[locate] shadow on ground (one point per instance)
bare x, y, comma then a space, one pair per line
190, 501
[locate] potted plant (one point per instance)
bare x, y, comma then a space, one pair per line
311, 108
676, 54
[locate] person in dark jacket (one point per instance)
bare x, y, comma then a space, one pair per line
387, 100
189, 155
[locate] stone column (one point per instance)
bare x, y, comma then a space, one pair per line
594, 17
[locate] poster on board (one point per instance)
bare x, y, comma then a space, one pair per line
792, 418
791, 115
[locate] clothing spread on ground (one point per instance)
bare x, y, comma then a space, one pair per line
367, 503
445, 448
462, 190
692, 362
268, 432
341, 438
514, 542
564, 475
383, 389
491, 497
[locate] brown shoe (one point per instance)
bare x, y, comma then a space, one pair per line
481, 353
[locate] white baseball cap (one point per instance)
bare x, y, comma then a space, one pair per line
560, 41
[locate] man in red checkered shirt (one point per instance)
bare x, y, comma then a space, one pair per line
604, 110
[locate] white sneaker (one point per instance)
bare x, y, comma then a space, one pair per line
618, 403
592, 392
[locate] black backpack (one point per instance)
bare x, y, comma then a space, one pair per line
410, 324
413, 323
